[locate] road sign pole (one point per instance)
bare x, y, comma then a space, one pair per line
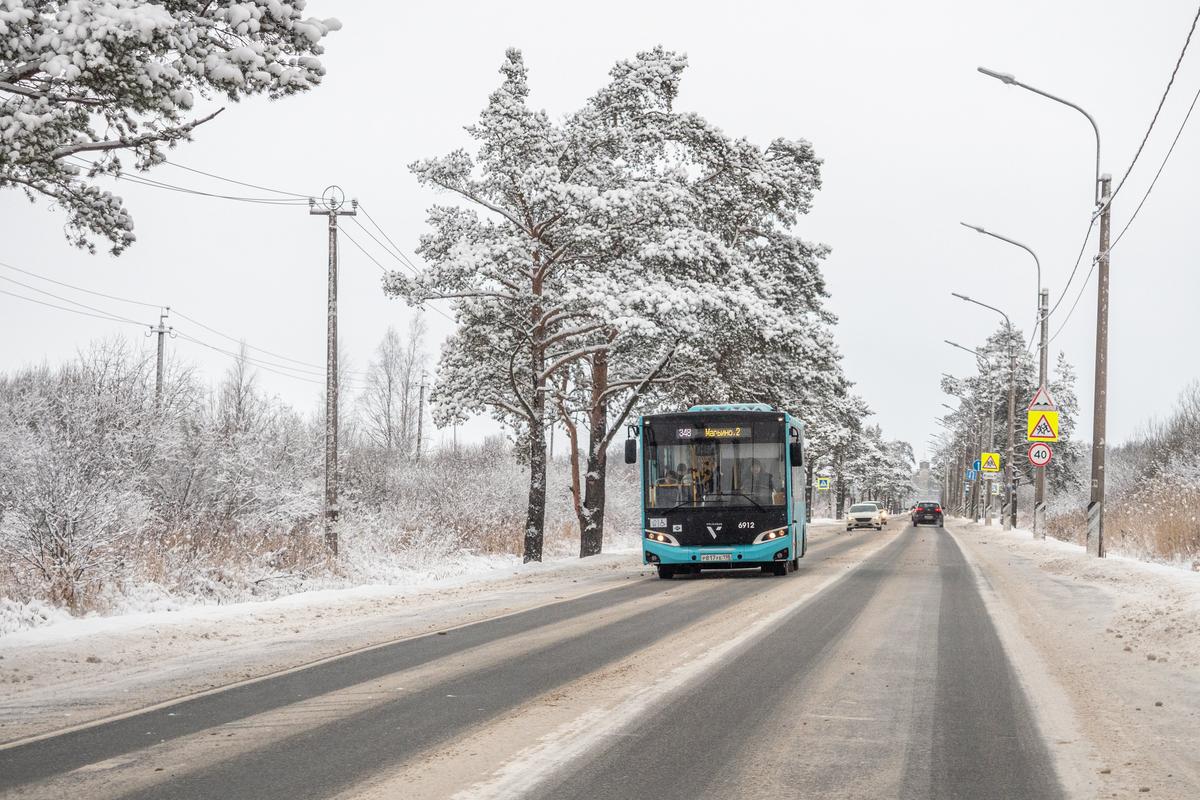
1039, 487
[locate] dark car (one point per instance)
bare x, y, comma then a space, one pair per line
927, 512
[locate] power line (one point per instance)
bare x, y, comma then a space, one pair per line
278, 369
72, 302
102, 316
1082, 288
1133, 216
375, 239
399, 252
1078, 260
1161, 166
238, 341
1158, 110
434, 309
239, 183
248, 360
137, 179
80, 288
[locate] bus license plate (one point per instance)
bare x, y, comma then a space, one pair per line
715, 556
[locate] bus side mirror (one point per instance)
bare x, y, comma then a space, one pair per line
631, 451
797, 454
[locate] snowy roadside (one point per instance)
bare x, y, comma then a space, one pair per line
73, 671
1110, 652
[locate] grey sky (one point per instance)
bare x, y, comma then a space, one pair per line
913, 140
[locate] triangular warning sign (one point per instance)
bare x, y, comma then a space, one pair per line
1042, 430
990, 465
1042, 401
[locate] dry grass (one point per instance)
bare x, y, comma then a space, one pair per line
1160, 521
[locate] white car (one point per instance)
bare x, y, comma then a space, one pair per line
864, 515
883, 514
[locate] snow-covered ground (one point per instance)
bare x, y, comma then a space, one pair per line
71, 670
1109, 651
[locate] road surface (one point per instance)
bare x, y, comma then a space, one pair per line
874, 671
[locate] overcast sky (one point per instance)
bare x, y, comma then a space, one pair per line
913, 139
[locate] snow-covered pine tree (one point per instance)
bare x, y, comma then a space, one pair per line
91, 78
629, 239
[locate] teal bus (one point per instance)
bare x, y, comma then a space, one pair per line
722, 488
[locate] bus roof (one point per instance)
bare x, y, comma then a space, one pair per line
733, 407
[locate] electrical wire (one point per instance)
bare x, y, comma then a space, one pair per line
238, 341
399, 252
143, 181
403, 263
1158, 110
223, 351
385, 269
1161, 166
1132, 217
239, 183
80, 288
1082, 288
102, 316
278, 369
72, 302
1078, 260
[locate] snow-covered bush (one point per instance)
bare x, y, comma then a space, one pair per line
109, 501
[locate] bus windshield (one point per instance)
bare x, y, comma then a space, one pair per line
693, 462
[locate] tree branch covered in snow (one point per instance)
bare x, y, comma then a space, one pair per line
105, 76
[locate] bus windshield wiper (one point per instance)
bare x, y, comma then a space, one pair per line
736, 494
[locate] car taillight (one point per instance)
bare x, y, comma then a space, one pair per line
937, 510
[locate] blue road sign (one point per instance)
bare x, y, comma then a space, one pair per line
971, 474
976, 466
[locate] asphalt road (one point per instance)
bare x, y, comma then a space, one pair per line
890, 681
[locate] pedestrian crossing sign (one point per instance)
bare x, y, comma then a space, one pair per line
989, 462
822, 484
1042, 426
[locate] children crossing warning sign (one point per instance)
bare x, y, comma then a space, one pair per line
1042, 426
989, 462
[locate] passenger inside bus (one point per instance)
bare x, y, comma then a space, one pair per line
759, 484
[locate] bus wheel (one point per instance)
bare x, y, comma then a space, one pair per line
666, 573
780, 568
794, 564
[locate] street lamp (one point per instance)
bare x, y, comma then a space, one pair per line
1004, 77
982, 360
1043, 317
1103, 199
1011, 519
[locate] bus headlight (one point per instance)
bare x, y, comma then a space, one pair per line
770, 536
662, 538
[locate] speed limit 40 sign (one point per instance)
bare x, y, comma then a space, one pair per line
1040, 454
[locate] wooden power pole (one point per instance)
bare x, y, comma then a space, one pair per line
420, 414
162, 330
332, 207
1095, 529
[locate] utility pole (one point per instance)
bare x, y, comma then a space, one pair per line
1039, 486
1095, 531
162, 330
332, 203
1009, 472
420, 414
